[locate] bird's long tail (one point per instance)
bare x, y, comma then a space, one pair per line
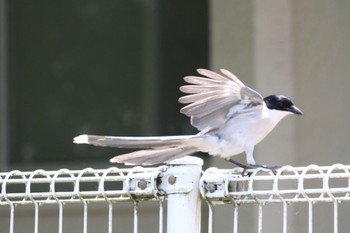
156, 149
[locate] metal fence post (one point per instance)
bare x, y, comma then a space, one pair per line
182, 187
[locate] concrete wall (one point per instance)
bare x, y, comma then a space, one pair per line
300, 49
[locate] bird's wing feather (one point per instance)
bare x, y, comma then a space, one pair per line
212, 96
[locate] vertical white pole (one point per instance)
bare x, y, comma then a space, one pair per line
210, 218
310, 217
335, 216
285, 219
260, 223
136, 220
161, 216
85, 217
184, 203
12, 217
110, 217
36, 217
235, 219
60, 217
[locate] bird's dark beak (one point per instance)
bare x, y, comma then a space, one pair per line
295, 110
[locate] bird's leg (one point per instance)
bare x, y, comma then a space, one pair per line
251, 162
272, 168
265, 166
245, 167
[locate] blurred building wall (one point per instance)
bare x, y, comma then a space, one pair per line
300, 49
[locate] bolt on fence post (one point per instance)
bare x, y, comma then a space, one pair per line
182, 187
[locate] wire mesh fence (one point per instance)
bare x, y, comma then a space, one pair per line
168, 198
64, 187
289, 187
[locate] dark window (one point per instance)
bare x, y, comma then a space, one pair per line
97, 67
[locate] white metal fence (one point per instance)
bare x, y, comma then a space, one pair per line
256, 203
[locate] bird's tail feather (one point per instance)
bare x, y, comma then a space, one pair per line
153, 156
158, 149
132, 142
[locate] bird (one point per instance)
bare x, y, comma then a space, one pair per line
231, 119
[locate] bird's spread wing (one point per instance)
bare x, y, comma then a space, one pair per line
213, 96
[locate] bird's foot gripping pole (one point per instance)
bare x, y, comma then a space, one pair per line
253, 166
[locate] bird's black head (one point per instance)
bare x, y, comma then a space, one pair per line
282, 103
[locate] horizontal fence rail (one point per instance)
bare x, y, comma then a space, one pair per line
89, 185
288, 184
182, 185
219, 186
